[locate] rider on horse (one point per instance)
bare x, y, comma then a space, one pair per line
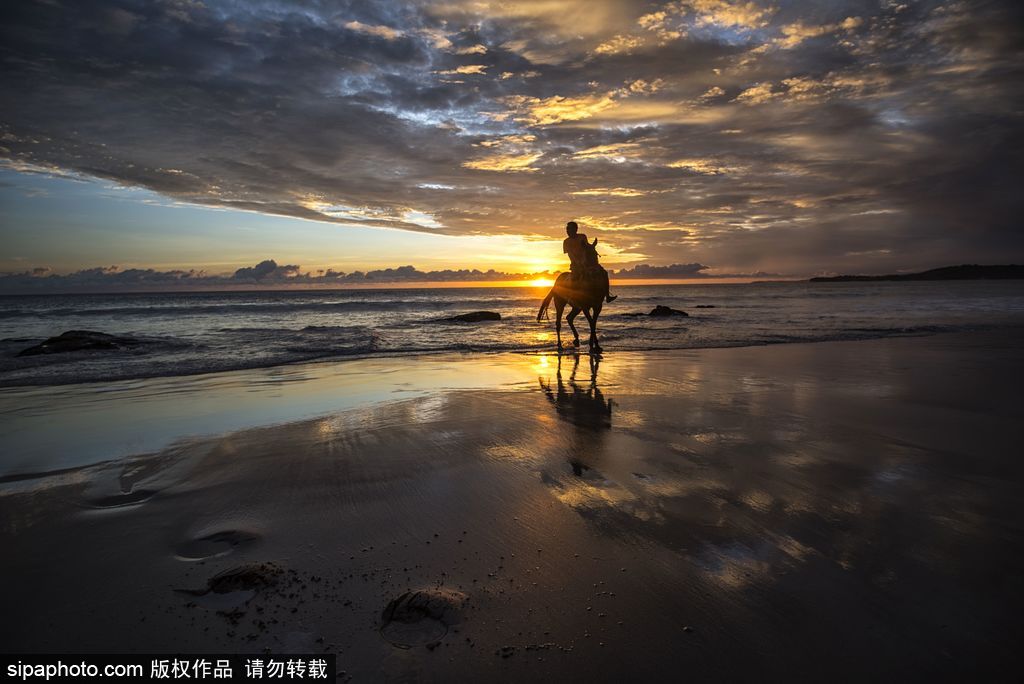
583, 258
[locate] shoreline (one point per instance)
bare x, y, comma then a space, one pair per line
848, 510
546, 348
269, 396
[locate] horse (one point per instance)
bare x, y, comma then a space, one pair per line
585, 294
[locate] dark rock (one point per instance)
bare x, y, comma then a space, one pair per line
476, 317
660, 310
79, 340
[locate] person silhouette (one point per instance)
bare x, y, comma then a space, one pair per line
583, 258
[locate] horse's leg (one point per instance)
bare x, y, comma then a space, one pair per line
573, 313
592, 320
559, 308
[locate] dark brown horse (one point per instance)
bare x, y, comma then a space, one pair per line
585, 294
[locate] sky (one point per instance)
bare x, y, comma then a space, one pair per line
194, 138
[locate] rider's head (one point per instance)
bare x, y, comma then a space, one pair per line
571, 228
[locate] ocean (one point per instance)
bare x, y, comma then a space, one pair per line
195, 333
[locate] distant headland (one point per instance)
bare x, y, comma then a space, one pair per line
962, 272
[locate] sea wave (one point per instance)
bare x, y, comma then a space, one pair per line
167, 359
210, 333
287, 307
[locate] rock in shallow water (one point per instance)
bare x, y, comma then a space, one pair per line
79, 340
476, 317
660, 310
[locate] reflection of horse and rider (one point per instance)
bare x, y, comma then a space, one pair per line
585, 288
586, 408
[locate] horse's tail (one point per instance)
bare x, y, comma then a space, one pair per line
544, 305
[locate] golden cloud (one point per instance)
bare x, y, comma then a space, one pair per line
536, 111
615, 152
613, 224
552, 110
712, 92
612, 192
728, 14
658, 23
505, 162
619, 45
507, 140
707, 167
643, 87
385, 32
757, 94
568, 18
437, 38
465, 69
803, 88
794, 34
652, 21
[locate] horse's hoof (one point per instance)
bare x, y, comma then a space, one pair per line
576, 343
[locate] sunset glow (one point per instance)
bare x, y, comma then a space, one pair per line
574, 341
720, 139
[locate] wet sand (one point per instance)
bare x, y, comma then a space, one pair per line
846, 510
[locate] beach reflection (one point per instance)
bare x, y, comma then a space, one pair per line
582, 404
763, 495
585, 412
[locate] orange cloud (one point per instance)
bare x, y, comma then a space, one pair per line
466, 69
385, 32
552, 110
611, 192
505, 162
619, 45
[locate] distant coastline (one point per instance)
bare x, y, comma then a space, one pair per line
962, 272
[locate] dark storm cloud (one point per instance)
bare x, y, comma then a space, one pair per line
784, 136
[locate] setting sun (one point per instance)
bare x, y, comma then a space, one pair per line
542, 282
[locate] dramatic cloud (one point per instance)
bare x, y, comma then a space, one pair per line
270, 274
264, 274
747, 135
673, 271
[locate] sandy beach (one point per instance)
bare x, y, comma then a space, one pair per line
842, 510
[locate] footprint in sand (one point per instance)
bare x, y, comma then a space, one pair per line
421, 618
231, 590
121, 499
214, 545
156, 472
